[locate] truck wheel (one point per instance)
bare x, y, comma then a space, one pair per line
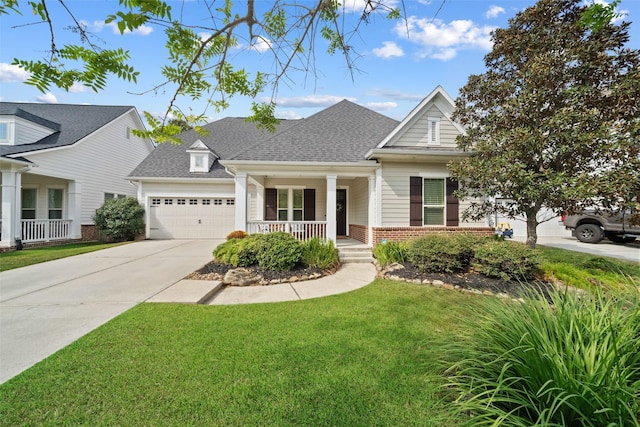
589, 233
616, 238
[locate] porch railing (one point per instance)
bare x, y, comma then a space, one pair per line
37, 230
302, 230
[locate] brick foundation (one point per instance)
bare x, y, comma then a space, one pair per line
89, 233
399, 234
359, 232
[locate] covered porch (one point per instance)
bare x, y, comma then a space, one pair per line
326, 201
36, 208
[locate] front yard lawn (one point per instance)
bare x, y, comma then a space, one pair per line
369, 357
23, 258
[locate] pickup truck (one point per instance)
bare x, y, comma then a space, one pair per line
592, 227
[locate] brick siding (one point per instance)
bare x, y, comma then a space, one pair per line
399, 234
359, 232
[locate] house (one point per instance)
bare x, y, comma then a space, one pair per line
344, 171
59, 163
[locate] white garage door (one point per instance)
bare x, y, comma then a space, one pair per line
191, 218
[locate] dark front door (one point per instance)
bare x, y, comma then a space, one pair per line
341, 212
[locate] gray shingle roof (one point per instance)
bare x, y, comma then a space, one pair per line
226, 138
69, 122
344, 132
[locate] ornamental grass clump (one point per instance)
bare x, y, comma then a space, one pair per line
390, 252
318, 253
572, 362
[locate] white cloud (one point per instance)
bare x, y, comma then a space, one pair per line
494, 11
440, 40
388, 50
287, 115
47, 98
311, 101
97, 26
261, 45
398, 96
12, 73
78, 88
358, 6
381, 106
620, 13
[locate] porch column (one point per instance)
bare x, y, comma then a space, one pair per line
378, 222
372, 218
74, 207
331, 208
241, 201
11, 185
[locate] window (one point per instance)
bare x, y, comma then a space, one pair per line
108, 196
231, 202
29, 197
168, 201
433, 136
128, 134
54, 201
206, 202
217, 202
155, 202
290, 204
433, 201
193, 201
182, 201
4, 132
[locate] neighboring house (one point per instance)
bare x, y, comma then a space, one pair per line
344, 171
59, 163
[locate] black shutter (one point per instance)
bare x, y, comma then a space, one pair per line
415, 201
453, 219
270, 204
309, 204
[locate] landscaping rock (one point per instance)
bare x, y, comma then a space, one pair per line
241, 277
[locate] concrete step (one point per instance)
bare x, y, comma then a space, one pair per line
355, 254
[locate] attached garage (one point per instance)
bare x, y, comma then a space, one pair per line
191, 218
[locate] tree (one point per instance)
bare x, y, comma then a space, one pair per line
554, 123
200, 55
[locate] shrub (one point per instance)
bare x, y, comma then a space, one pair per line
318, 253
439, 253
572, 362
510, 261
237, 234
120, 219
248, 250
278, 251
227, 252
389, 252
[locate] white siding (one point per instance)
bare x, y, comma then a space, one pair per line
395, 191
416, 134
100, 163
358, 195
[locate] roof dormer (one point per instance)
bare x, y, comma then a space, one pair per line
201, 157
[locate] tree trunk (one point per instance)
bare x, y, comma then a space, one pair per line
532, 229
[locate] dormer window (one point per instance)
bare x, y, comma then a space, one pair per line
201, 157
6, 133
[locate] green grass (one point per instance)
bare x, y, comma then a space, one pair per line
23, 258
367, 358
586, 271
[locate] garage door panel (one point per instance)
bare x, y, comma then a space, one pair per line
179, 218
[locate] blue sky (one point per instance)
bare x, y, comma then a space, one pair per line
399, 63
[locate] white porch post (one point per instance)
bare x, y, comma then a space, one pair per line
74, 206
331, 208
372, 218
11, 185
378, 222
241, 201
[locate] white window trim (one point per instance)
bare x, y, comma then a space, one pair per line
10, 140
433, 129
204, 167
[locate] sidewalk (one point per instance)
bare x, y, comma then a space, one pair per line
348, 278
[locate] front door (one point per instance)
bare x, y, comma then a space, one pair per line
341, 212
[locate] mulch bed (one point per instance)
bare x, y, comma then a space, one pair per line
469, 282
216, 271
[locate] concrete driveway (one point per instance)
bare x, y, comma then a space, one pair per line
47, 306
604, 248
